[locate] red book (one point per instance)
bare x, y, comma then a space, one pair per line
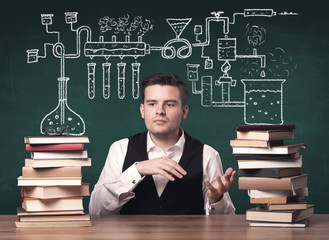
54, 147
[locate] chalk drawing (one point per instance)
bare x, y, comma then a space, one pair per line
261, 75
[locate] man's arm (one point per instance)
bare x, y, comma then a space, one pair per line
114, 187
213, 171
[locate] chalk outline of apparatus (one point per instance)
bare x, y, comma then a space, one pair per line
141, 50
33, 56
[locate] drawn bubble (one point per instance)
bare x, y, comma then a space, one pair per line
263, 95
51, 123
250, 98
56, 117
278, 102
69, 119
265, 113
255, 103
271, 103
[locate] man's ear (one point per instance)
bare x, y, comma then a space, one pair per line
185, 112
141, 109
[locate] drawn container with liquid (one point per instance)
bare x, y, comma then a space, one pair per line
135, 79
121, 80
91, 80
106, 80
63, 114
206, 95
263, 100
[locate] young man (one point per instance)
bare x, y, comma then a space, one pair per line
164, 170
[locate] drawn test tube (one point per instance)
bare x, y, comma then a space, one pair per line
121, 79
135, 79
91, 80
206, 95
106, 80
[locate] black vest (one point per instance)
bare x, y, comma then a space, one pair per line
182, 196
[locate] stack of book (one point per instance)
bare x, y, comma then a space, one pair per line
271, 171
51, 182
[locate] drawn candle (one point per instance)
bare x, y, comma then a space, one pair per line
263, 101
63, 114
135, 79
106, 80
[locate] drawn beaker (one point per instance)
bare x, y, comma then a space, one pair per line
63, 114
263, 101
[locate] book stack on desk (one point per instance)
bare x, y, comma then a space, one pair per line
51, 182
271, 171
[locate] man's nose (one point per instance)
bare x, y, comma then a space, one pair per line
160, 109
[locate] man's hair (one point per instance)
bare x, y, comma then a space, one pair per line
166, 79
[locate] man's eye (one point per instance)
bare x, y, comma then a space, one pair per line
170, 105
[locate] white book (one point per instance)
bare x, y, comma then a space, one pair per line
58, 181
57, 204
258, 164
45, 163
278, 193
283, 149
59, 154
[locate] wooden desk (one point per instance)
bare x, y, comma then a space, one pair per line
190, 227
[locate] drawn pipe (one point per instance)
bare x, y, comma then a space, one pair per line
259, 13
116, 49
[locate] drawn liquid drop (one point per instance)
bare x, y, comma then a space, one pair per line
63, 114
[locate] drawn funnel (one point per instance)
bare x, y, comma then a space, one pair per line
63, 114
178, 25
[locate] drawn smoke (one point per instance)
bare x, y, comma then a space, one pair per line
278, 63
256, 35
125, 26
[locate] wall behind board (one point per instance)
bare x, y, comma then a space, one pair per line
282, 44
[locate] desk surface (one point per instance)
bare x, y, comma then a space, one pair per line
190, 227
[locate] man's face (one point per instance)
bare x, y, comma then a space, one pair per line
162, 110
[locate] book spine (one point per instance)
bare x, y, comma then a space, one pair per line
55, 147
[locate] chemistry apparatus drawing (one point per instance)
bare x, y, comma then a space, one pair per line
254, 109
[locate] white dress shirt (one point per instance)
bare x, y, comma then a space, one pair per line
115, 188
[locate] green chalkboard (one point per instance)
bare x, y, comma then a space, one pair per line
94, 55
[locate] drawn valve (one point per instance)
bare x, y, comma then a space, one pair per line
63, 114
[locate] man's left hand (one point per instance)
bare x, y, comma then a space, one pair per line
220, 186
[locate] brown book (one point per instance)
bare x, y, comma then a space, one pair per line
44, 192
282, 127
289, 216
51, 172
274, 200
263, 183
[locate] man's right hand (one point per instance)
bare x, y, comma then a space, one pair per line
163, 166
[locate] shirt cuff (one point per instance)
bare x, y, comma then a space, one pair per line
218, 207
131, 178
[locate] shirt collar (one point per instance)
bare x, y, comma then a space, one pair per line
180, 143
